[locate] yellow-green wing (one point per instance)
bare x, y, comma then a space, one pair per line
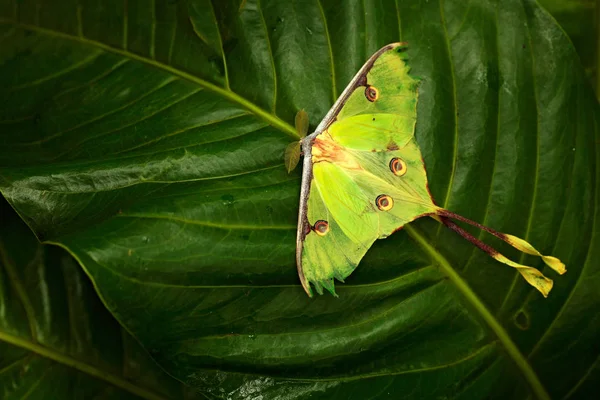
342, 227
347, 170
345, 214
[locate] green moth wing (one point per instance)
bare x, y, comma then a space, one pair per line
347, 166
347, 213
364, 178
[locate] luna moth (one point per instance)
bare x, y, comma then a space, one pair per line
364, 178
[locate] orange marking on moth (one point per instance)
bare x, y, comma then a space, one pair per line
324, 148
392, 146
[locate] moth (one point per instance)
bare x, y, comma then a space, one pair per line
364, 178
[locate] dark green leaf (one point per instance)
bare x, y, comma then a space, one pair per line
580, 20
148, 139
57, 340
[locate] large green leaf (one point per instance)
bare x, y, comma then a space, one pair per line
147, 138
580, 20
57, 340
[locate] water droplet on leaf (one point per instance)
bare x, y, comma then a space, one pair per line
228, 199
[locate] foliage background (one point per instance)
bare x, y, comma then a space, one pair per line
579, 19
191, 252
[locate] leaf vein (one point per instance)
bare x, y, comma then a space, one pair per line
272, 56
57, 74
582, 379
330, 48
64, 359
188, 128
454, 106
227, 94
107, 114
95, 79
15, 363
365, 321
20, 289
537, 169
207, 223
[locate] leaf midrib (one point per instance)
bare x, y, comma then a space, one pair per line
79, 365
398, 373
272, 119
469, 295
34, 347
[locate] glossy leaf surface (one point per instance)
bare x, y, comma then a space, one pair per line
147, 138
57, 341
580, 21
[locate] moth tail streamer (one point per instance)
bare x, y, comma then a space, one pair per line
525, 247
534, 277
514, 241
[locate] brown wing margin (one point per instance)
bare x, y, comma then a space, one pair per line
304, 227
